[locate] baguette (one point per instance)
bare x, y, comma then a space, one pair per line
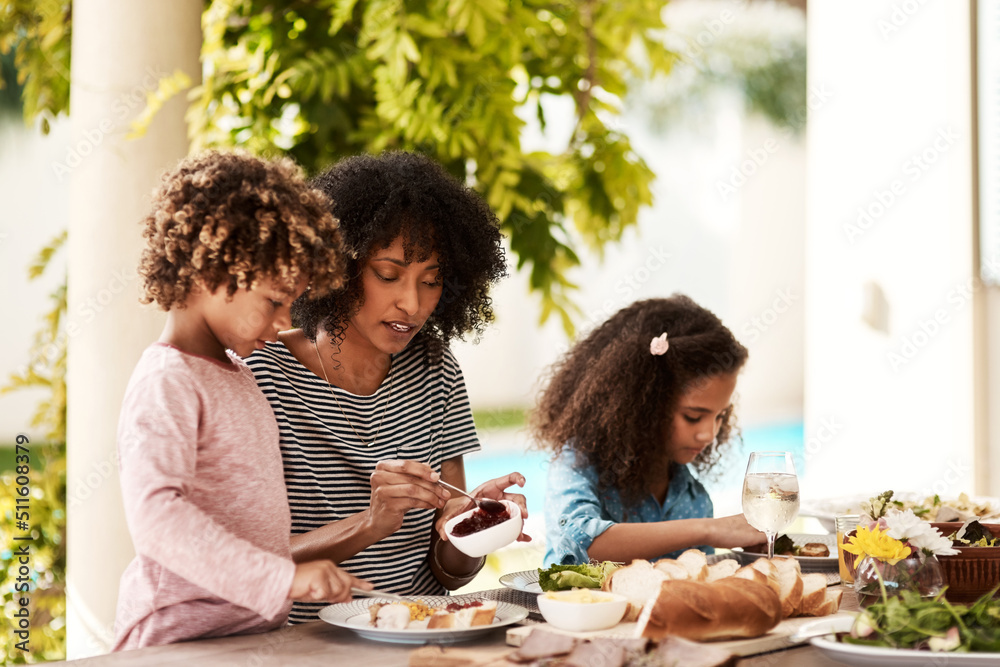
638, 582
813, 594
724, 568
696, 564
789, 584
726, 609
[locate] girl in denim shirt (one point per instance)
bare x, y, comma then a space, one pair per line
629, 411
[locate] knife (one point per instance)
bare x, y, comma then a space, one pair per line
379, 594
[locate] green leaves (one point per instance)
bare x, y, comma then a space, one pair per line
449, 78
909, 622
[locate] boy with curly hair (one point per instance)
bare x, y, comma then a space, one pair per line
231, 241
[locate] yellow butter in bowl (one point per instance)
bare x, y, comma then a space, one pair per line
580, 596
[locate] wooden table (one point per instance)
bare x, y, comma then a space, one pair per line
322, 645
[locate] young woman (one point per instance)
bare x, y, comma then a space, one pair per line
370, 402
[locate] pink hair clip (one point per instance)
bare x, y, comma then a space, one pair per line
659, 345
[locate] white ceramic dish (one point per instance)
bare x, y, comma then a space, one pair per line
354, 616
560, 610
874, 656
489, 540
526, 581
825, 509
807, 563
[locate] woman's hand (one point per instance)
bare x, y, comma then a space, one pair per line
399, 486
494, 489
734, 531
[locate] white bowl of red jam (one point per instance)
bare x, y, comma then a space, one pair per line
477, 532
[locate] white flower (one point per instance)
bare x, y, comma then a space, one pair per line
933, 542
908, 527
902, 525
659, 345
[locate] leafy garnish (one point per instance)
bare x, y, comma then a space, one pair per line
565, 577
911, 622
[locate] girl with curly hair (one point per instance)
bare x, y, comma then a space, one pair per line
370, 401
628, 411
231, 241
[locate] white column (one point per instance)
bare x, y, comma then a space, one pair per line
890, 383
120, 50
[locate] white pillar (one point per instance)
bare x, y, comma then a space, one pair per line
890, 382
120, 50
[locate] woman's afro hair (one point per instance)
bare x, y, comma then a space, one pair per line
396, 194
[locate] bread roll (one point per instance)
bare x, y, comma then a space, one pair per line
725, 609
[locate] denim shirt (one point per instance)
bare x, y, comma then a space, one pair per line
576, 512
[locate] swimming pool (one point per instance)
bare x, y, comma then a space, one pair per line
506, 451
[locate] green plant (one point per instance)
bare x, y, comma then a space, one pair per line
47, 560
46, 479
450, 78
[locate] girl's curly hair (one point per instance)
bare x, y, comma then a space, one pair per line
233, 219
613, 402
380, 198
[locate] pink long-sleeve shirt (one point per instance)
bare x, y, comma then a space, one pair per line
205, 501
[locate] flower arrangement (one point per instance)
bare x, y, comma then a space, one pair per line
896, 550
892, 534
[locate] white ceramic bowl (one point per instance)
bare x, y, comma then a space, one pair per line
559, 609
488, 540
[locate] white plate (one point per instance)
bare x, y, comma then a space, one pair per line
807, 563
526, 581
875, 656
354, 616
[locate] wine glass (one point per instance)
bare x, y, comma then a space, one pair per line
770, 494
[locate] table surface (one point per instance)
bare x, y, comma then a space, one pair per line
321, 644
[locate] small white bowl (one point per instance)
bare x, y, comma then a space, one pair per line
559, 609
488, 540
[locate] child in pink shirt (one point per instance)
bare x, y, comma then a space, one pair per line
232, 240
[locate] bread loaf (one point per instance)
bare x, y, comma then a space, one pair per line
724, 609
638, 582
798, 594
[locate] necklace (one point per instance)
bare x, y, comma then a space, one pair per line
334, 394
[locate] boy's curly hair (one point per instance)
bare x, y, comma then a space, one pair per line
380, 198
612, 402
233, 219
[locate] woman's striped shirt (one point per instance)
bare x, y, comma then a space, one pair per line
328, 469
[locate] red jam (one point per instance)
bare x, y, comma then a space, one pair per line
479, 520
454, 606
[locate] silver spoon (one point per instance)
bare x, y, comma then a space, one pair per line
487, 505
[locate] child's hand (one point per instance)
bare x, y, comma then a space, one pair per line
734, 531
322, 581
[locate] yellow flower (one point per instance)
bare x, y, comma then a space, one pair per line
877, 544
